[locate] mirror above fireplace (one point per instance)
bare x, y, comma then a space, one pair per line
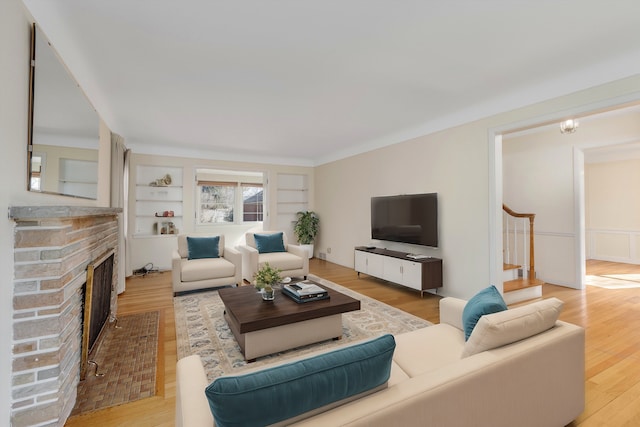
64, 127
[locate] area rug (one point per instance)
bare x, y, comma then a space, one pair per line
201, 329
127, 356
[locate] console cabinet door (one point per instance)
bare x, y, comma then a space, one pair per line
368, 263
375, 265
393, 269
412, 274
403, 272
360, 262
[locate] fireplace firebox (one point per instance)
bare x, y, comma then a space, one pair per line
97, 305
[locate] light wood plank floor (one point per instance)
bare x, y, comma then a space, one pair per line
609, 316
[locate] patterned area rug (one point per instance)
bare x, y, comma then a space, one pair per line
128, 357
201, 329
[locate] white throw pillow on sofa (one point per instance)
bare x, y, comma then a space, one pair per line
505, 327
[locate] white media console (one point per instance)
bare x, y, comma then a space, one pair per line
416, 272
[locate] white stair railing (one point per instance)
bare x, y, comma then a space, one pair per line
519, 240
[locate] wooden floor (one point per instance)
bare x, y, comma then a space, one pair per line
152, 292
611, 319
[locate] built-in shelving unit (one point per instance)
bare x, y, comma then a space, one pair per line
292, 197
159, 206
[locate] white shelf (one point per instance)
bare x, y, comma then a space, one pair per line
292, 197
152, 199
152, 236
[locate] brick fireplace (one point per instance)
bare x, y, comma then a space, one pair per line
52, 247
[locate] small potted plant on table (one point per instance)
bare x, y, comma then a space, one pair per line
265, 279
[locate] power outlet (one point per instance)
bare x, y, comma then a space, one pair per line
328, 250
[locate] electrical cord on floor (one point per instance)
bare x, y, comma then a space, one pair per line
143, 271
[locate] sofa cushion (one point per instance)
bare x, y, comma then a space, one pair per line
206, 268
486, 301
282, 392
281, 260
267, 243
436, 345
505, 327
203, 247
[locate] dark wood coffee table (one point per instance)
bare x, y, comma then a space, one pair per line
266, 327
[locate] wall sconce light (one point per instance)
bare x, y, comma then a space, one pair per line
569, 126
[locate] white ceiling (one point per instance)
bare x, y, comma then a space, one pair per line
308, 81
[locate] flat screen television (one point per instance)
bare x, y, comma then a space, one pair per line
407, 218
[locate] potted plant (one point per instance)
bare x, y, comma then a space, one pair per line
265, 279
306, 229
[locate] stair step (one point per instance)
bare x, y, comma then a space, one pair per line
506, 267
521, 283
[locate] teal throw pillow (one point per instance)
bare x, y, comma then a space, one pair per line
266, 243
275, 394
203, 247
486, 301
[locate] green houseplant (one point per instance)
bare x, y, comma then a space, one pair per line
265, 279
306, 229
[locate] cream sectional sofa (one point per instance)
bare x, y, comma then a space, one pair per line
537, 381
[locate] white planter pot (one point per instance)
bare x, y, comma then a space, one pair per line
309, 249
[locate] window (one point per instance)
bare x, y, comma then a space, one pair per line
217, 201
252, 202
227, 197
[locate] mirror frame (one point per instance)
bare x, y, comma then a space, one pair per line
32, 70
30, 132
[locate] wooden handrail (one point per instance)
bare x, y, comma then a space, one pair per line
531, 217
511, 212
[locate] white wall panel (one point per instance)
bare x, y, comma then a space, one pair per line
552, 253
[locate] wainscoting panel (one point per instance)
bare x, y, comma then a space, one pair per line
613, 245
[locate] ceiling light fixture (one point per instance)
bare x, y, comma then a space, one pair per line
569, 126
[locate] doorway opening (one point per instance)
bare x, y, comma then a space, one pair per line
574, 234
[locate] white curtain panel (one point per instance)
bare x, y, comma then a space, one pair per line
119, 199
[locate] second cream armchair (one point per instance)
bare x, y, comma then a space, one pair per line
272, 247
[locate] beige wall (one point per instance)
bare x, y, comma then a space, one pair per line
450, 163
613, 211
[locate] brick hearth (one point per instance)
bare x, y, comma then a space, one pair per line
52, 247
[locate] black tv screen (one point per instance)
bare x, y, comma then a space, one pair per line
411, 218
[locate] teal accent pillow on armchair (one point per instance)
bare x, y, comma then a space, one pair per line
275, 394
266, 243
203, 247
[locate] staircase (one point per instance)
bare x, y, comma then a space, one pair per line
519, 275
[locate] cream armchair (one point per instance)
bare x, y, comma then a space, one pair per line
202, 270
272, 247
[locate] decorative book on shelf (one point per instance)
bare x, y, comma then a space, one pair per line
305, 292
